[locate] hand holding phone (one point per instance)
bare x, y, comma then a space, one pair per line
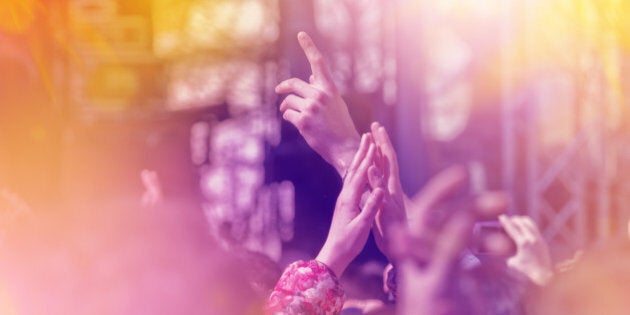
532, 257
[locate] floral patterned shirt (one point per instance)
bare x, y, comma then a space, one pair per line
306, 287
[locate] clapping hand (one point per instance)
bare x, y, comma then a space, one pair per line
351, 224
392, 212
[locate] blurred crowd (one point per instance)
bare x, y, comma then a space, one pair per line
449, 250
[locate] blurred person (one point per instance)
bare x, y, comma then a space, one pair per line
598, 284
363, 285
261, 272
122, 260
445, 199
29, 125
312, 287
427, 255
515, 264
496, 292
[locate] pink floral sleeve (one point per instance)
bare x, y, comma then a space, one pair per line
306, 287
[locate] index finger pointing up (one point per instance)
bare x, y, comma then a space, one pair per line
321, 75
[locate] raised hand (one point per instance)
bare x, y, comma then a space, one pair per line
392, 212
317, 110
532, 258
425, 254
427, 248
351, 224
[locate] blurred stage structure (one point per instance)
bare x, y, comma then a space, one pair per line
530, 94
565, 134
533, 96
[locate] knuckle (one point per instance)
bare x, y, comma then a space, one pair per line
285, 115
320, 96
343, 203
310, 103
283, 106
313, 107
302, 123
317, 58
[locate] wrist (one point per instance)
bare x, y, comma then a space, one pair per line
541, 277
330, 257
537, 275
342, 155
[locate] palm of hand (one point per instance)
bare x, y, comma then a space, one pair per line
531, 259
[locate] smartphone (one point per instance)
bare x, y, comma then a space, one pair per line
490, 238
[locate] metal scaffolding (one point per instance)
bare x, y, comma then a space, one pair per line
573, 188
